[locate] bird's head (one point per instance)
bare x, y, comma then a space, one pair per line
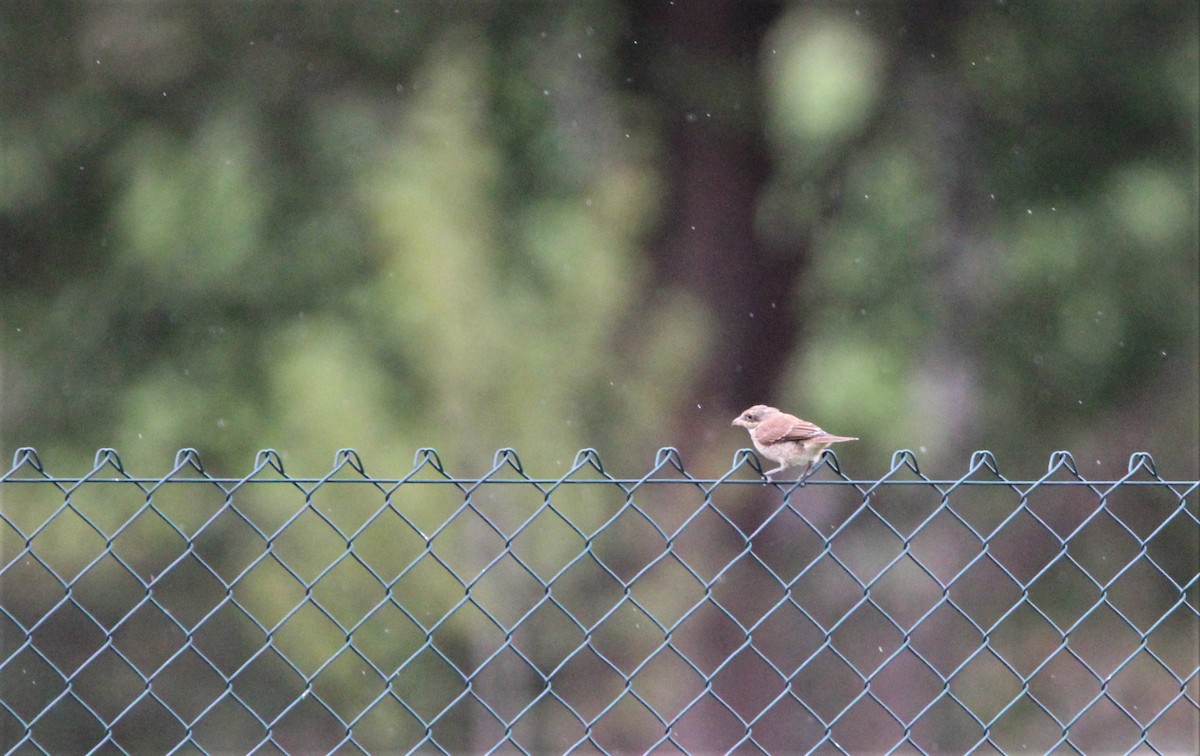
753, 416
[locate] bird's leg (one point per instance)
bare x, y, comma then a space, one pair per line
769, 473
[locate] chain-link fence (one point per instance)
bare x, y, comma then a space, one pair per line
594, 613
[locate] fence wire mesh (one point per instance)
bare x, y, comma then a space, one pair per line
593, 613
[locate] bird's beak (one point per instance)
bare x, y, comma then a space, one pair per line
737, 421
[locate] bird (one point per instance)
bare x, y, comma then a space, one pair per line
785, 438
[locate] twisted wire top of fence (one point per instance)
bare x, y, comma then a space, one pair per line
590, 611
507, 465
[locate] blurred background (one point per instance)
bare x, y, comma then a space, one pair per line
612, 224
935, 226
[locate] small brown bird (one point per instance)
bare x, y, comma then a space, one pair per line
785, 438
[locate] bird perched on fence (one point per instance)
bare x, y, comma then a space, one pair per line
785, 438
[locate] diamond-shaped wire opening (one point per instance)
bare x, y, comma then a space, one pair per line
946, 727
30, 684
707, 637
67, 727
985, 686
945, 546
229, 545
269, 684
428, 684
308, 545
1064, 593
1024, 639
148, 545
507, 507
268, 592
428, 591
228, 639
1174, 549
946, 639
148, 638
827, 592
348, 685
867, 727
308, 638
507, 592
188, 591
1142, 594
1103, 641
708, 726
629, 544
1102, 547
67, 545
587, 684
548, 726
468, 638
787, 545
508, 684
669, 506
866, 547
586, 506
787, 727
29, 590
982, 508
747, 590
1175, 730
1143, 688
1062, 503
668, 684
748, 684
388, 545
186, 505
347, 501
27, 507
547, 545
229, 727
468, 545
1142, 508
1176, 641
628, 727
387, 727
108, 685
786, 638
108, 591
69, 636
307, 727
906, 592
866, 639
106, 506
667, 590
387, 638
1026, 726
906, 507
348, 591
627, 637
587, 591
906, 686
1023, 546
827, 685
984, 592
147, 728
547, 637
1064, 686
468, 726
188, 685
267, 507
1104, 728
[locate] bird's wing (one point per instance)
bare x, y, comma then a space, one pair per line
783, 427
